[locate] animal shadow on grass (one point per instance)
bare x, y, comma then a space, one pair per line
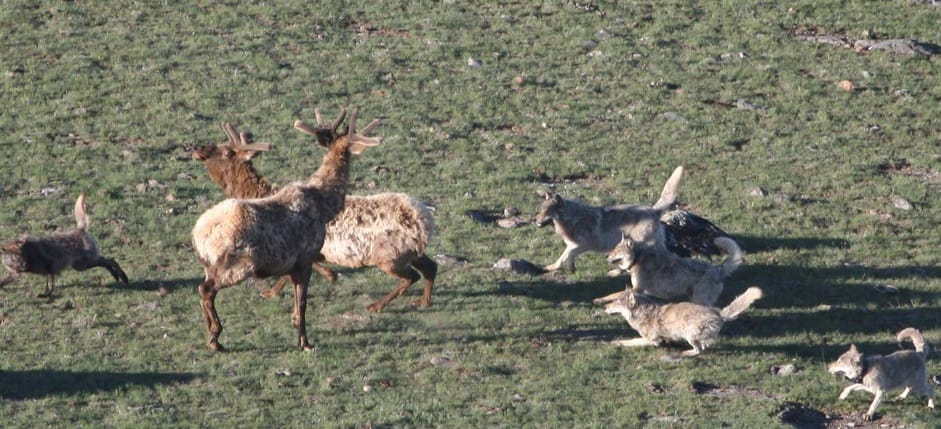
161, 285
36, 384
750, 243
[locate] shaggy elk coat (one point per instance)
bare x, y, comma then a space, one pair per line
278, 235
388, 230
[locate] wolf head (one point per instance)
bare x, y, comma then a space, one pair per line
550, 209
623, 253
624, 305
849, 364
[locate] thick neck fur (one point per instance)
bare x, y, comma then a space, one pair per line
240, 180
333, 173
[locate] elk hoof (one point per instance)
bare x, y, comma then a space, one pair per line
215, 346
375, 307
267, 294
421, 303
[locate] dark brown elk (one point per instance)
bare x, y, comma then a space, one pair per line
281, 234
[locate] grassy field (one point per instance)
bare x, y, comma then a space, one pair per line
485, 107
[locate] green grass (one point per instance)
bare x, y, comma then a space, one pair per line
101, 97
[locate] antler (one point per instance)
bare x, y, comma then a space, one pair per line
241, 141
322, 126
247, 144
229, 130
361, 138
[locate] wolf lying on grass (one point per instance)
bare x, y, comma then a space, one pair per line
696, 324
879, 374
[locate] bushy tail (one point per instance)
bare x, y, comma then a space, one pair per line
81, 217
670, 189
736, 256
740, 303
917, 339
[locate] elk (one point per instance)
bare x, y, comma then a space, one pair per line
389, 230
50, 255
280, 234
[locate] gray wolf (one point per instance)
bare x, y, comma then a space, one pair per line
586, 228
696, 324
879, 374
50, 255
657, 272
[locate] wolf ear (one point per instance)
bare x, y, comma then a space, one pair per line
857, 356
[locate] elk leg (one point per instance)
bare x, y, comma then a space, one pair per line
429, 270
406, 276
276, 289
207, 301
325, 272
301, 280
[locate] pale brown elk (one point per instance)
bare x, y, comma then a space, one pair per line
50, 255
389, 230
280, 234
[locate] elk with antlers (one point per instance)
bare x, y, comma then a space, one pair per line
281, 234
388, 230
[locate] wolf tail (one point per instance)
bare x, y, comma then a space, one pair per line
81, 217
917, 339
670, 188
736, 256
740, 303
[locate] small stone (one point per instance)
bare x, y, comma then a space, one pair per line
367, 388
47, 192
886, 289
901, 203
142, 187
441, 361
757, 191
511, 222
284, 372
511, 211
472, 63
846, 85
784, 370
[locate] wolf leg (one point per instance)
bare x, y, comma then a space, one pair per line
850, 389
610, 298
871, 413
634, 342
904, 393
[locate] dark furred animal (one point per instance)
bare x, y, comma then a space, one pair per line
281, 234
388, 230
50, 255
